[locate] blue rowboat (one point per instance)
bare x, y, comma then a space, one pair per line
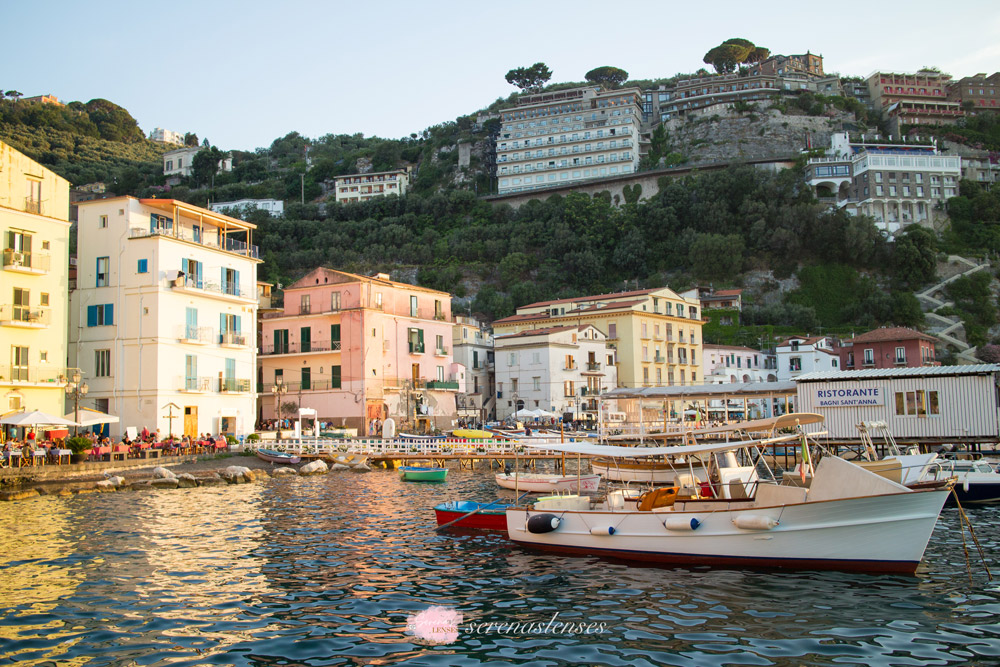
272, 456
418, 474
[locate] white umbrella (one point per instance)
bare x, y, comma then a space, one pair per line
524, 412
543, 413
35, 418
89, 417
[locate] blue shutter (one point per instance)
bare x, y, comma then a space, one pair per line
109, 313
236, 283
152, 223
238, 328
91, 316
224, 284
222, 327
197, 271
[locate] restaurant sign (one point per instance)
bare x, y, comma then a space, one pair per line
849, 398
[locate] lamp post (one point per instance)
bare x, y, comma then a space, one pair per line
279, 389
75, 388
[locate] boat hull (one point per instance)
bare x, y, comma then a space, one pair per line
277, 457
650, 473
493, 517
539, 483
473, 434
886, 533
423, 474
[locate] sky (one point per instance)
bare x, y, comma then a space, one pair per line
242, 74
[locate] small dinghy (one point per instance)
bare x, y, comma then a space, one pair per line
419, 474
470, 514
272, 456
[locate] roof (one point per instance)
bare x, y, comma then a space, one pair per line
527, 317
356, 278
709, 346
169, 205
722, 294
541, 332
919, 371
806, 340
613, 451
883, 334
596, 297
596, 307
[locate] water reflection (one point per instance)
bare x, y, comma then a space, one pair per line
292, 570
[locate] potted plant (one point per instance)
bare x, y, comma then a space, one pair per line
78, 445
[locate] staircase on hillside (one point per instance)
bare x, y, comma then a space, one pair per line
949, 328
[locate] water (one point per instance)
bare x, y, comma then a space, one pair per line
326, 570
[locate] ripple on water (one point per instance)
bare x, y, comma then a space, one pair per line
327, 570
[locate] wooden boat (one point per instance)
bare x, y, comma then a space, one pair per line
648, 472
473, 434
419, 438
423, 474
848, 519
492, 516
272, 456
542, 483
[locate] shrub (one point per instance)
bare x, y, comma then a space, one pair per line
78, 444
253, 437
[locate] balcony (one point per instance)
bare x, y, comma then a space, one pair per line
35, 263
441, 352
569, 367
232, 339
45, 375
203, 238
659, 359
211, 288
195, 385
298, 348
196, 335
25, 317
415, 348
32, 206
593, 366
305, 309
296, 387
439, 317
234, 386
442, 384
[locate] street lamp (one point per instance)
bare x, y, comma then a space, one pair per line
75, 388
279, 389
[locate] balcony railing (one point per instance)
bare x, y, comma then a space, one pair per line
211, 286
305, 309
195, 384
24, 316
294, 387
32, 374
659, 359
591, 366
441, 351
442, 384
32, 205
227, 244
296, 347
232, 338
234, 385
193, 334
26, 262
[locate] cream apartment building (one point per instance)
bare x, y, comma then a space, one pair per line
34, 230
162, 321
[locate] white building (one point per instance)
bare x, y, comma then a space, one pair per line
162, 321
724, 364
799, 355
472, 347
180, 162
167, 136
562, 137
559, 369
242, 207
362, 187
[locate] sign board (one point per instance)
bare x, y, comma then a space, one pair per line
849, 397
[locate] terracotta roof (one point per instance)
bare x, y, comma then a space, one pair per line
543, 332
528, 317
595, 307
595, 297
890, 334
728, 292
806, 340
356, 278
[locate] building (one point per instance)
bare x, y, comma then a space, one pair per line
978, 92
162, 318
359, 348
929, 404
722, 364
808, 64
561, 370
888, 347
472, 348
34, 230
43, 99
656, 333
913, 99
362, 187
167, 136
180, 163
897, 182
567, 136
799, 355
240, 208
983, 169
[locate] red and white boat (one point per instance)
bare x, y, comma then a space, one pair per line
542, 483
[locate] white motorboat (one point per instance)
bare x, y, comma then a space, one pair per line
542, 483
847, 519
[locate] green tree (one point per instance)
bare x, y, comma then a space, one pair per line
914, 258
190, 139
732, 53
716, 256
607, 76
529, 78
205, 164
13, 94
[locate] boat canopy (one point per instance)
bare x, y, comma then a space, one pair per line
768, 425
616, 451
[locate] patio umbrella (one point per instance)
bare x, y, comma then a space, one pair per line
524, 412
89, 417
544, 414
36, 418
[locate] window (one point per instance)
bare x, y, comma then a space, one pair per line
143, 266
306, 378
230, 282
900, 355
45, 299
869, 356
18, 363
568, 389
190, 372
102, 271
795, 364
281, 341
102, 222
440, 373
305, 304
612, 331
536, 383
335, 301
160, 223
101, 315
413, 306
918, 403
192, 272
415, 339
230, 329
334, 336
512, 359
439, 344
438, 310
378, 300
335, 377
102, 363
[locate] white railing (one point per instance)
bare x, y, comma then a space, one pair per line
380, 447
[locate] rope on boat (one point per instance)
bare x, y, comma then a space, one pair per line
964, 518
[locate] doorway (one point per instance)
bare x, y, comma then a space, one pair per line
191, 420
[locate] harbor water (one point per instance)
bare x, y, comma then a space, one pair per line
330, 570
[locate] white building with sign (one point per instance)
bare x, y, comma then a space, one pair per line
954, 404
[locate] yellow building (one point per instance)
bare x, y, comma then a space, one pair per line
656, 333
34, 231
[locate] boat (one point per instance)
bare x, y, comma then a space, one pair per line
422, 474
352, 460
273, 456
470, 514
848, 518
976, 481
473, 434
649, 472
420, 438
542, 483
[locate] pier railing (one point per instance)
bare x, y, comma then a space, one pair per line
377, 447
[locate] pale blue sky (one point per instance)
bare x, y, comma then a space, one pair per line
244, 73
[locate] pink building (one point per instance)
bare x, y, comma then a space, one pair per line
888, 347
359, 348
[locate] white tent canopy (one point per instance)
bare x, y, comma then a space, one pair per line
524, 413
90, 417
614, 451
544, 413
36, 418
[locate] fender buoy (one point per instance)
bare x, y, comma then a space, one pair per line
543, 523
678, 523
754, 522
602, 530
